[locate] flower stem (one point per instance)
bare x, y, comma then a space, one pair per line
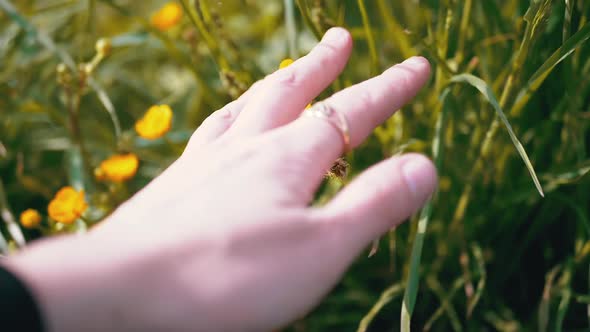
73, 108
304, 9
291, 28
10, 221
197, 21
370, 38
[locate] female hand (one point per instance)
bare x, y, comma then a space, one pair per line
225, 239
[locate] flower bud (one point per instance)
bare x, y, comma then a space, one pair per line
103, 46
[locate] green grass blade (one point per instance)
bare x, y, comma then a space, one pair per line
370, 38
291, 29
541, 74
487, 92
567, 20
564, 304
457, 285
304, 10
445, 300
464, 29
9, 219
414, 274
481, 269
3, 245
570, 177
395, 29
211, 43
543, 315
75, 167
387, 296
108, 105
50, 45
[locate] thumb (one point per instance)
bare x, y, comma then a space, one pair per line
380, 198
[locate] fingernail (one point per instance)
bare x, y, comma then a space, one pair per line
419, 176
335, 35
415, 61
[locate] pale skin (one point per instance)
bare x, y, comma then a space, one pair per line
225, 239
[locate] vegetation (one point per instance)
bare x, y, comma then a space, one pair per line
505, 116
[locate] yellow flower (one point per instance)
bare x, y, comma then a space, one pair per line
118, 168
167, 16
67, 205
155, 123
285, 63
30, 218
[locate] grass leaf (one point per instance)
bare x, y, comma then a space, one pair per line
487, 92
541, 74
425, 215
387, 296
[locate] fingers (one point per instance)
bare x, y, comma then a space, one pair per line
219, 121
365, 106
281, 96
379, 199
285, 93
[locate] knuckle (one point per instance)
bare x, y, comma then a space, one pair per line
326, 54
290, 166
217, 118
290, 77
218, 121
366, 99
223, 114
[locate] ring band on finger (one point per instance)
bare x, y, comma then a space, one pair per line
322, 110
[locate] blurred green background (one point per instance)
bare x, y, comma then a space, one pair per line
495, 256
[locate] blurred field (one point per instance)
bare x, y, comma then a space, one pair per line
506, 116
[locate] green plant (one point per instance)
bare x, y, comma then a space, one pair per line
510, 83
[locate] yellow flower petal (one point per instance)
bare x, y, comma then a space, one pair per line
118, 168
30, 218
155, 123
285, 63
167, 16
67, 205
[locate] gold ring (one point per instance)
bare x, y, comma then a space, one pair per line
322, 110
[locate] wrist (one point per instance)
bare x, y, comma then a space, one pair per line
73, 283
109, 281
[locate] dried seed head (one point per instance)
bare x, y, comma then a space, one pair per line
61, 68
103, 46
63, 74
339, 169
85, 69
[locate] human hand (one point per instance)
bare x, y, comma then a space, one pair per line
225, 239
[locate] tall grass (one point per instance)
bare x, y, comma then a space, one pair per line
505, 117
